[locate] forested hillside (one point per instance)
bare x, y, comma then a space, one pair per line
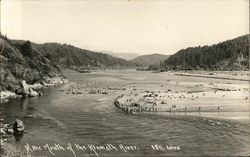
68, 56
227, 55
24, 60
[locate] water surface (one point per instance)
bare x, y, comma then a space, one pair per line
93, 119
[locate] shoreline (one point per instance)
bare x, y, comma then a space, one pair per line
31, 90
242, 116
210, 76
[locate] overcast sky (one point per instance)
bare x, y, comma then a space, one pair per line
143, 27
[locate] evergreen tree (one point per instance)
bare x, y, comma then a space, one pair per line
27, 49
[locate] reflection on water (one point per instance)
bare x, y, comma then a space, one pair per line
93, 119
18, 137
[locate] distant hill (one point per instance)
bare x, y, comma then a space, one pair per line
228, 55
146, 60
68, 56
126, 56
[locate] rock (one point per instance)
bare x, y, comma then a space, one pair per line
25, 88
56, 80
104, 92
1, 142
36, 86
40, 94
19, 91
6, 125
4, 95
46, 84
10, 131
65, 81
2, 131
33, 93
18, 127
92, 91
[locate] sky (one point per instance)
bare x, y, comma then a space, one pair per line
120, 26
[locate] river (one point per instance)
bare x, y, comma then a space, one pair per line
82, 119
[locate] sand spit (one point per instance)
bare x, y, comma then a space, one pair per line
215, 75
222, 98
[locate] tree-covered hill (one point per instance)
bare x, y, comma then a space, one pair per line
228, 55
24, 60
68, 56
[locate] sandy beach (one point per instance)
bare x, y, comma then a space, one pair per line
213, 96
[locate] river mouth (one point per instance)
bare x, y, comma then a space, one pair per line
65, 118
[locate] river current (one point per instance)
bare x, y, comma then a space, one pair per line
93, 120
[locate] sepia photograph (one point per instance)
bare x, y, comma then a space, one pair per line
124, 78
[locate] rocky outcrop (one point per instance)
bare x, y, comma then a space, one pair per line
30, 90
18, 126
53, 81
6, 133
7, 94
24, 69
27, 90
